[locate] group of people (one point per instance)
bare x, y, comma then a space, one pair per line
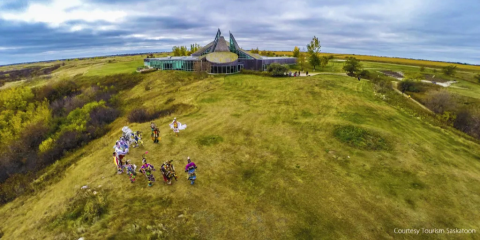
130, 138
297, 74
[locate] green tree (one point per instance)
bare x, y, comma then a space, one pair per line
477, 77
324, 61
176, 51
352, 65
296, 52
450, 70
313, 50
277, 69
302, 60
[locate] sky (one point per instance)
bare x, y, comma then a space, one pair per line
39, 30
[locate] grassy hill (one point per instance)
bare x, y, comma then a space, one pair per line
278, 158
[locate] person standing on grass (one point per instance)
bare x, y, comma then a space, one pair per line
190, 170
168, 171
152, 127
177, 126
156, 135
147, 169
131, 170
306, 73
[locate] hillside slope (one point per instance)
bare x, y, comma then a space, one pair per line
278, 158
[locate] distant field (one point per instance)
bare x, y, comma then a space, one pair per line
114, 68
404, 61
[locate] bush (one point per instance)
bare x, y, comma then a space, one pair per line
139, 115
409, 85
440, 101
277, 70
468, 122
103, 115
449, 70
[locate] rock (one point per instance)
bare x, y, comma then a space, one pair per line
99, 186
85, 187
180, 216
82, 238
94, 192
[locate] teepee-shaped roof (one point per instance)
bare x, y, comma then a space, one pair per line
221, 45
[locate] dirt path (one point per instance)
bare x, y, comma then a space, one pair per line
443, 84
323, 73
405, 95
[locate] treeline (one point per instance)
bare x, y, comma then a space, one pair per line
184, 51
38, 126
264, 53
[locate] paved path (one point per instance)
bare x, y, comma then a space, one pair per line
322, 73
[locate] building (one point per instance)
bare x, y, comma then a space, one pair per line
218, 56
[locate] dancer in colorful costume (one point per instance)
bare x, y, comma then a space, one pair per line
147, 169
137, 138
155, 135
118, 163
168, 172
131, 170
190, 170
177, 126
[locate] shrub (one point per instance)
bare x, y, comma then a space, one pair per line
449, 70
277, 70
409, 85
440, 101
360, 138
139, 115
468, 122
103, 115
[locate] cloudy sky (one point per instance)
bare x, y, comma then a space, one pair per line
36, 30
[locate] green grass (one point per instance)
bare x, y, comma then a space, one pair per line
115, 68
360, 138
467, 89
273, 163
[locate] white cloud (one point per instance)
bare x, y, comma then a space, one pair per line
61, 11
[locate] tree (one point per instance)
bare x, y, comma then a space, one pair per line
277, 69
477, 77
324, 61
352, 65
176, 51
301, 60
450, 70
313, 50
296, 52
